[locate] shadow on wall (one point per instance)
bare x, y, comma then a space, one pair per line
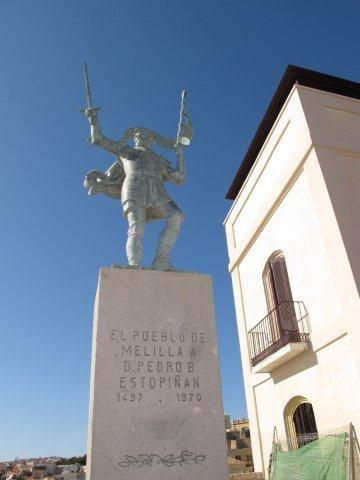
296, 365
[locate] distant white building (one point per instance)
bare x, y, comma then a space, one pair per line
70, 472
293, 235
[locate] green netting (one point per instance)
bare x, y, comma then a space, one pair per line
322, 459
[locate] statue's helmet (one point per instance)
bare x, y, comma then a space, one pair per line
149, 134
151, 137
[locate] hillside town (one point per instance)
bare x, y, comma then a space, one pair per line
238, 442
47, 468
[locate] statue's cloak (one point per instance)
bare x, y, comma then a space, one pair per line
112, 181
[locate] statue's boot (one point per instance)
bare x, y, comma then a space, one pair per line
167, 240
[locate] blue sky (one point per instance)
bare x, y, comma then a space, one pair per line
230, 55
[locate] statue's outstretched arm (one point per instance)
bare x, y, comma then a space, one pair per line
97, 137
164, 142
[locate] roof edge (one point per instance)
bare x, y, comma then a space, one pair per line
293, 75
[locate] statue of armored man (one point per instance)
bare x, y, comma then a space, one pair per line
137, 177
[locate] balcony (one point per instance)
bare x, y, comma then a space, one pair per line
280, 336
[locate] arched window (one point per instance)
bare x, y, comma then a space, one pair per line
278, 295
300, 422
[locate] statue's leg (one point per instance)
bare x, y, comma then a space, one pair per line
173, 220
136, 219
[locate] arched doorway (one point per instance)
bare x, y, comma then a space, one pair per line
300, 422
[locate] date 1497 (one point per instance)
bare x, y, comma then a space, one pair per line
129, 397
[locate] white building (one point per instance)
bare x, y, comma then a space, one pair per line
293, 234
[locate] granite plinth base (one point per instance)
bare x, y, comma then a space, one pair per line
155, 398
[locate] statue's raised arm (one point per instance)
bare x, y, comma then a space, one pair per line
97, 138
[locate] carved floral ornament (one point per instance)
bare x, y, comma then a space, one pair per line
185, 458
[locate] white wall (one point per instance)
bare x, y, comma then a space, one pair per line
302, 196
294, 229
278, 160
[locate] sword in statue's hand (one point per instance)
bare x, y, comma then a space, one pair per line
185, 130
89, 111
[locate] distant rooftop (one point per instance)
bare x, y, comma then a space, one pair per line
292, 75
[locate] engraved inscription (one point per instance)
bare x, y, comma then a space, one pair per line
156, 361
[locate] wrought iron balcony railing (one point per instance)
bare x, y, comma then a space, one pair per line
286, 323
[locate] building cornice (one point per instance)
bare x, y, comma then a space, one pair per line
293, 75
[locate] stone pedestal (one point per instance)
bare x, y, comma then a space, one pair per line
155, 401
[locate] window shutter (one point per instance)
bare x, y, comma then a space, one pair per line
281, 280
282, 294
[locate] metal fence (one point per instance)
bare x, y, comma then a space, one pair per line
328, 455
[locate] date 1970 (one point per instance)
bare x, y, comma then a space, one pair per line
188, 397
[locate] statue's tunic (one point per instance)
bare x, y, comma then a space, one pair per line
145, 172
137, 177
